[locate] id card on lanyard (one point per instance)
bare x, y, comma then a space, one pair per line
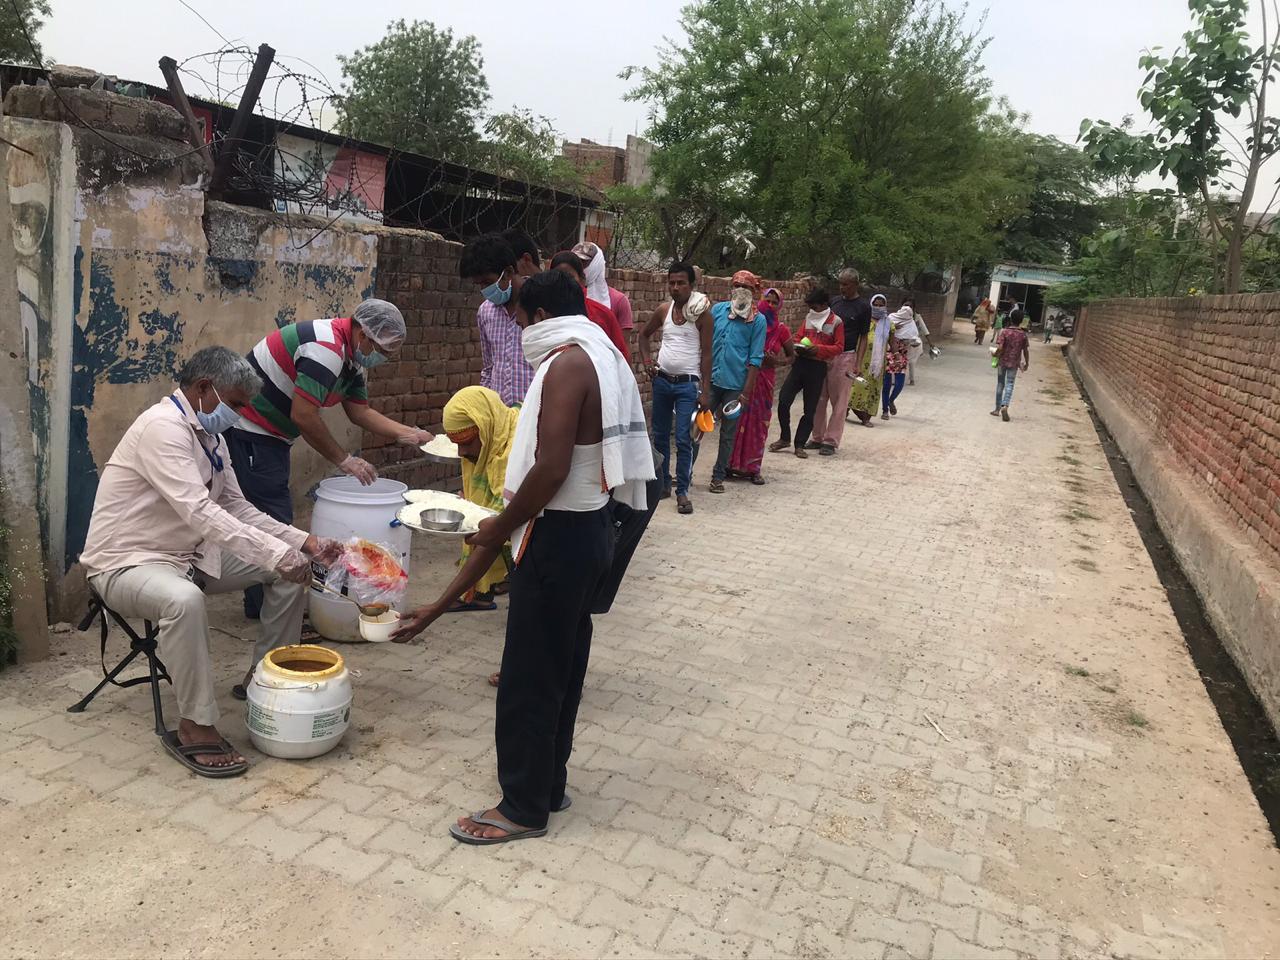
214, 458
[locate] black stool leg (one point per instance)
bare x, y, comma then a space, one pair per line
156, 674
119, 668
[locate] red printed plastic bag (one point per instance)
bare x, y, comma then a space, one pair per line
370, 572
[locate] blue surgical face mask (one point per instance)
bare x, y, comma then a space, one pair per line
370, 359
219, 419
495, 293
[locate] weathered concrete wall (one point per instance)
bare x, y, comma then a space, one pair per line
126, 271
1190, 388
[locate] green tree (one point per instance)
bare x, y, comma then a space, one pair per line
418, 89
20, 24
1062, 204
826, 131
524, 146
1151, 246
1218, 73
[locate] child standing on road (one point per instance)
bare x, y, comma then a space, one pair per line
1011, 351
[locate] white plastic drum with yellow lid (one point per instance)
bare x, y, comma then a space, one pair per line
299, 702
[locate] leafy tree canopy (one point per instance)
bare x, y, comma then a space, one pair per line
419, 89
525, 146
15, 47
837, 130
1062, 202
1218, 75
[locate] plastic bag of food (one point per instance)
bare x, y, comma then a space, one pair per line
370, 573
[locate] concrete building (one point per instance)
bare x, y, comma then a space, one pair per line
607, 166
1025, 283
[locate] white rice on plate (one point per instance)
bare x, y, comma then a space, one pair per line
420, 501
441, 447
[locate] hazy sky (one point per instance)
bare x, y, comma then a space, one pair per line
1058, 61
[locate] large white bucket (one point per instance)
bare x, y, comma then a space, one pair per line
346, 508
299, 702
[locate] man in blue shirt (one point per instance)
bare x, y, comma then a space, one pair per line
737, 350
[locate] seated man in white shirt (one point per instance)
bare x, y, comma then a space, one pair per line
170, 524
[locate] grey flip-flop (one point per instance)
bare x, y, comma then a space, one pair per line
462, 836
565, 804
186, 753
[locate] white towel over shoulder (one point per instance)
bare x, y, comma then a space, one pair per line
626, 451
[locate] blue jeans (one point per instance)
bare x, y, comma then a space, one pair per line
1004, 385
680, 400
892, 386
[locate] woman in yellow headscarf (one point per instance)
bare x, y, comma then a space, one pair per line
476, 419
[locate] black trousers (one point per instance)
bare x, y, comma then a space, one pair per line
628, 527
262, 470
545, 658
807, 376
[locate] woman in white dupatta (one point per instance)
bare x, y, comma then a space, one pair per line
902, 335
864, 400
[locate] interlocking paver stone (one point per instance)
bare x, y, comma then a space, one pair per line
757, 772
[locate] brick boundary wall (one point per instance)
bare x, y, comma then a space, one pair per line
1190, 388
419, 273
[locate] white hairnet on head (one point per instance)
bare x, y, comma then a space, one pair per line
382, 322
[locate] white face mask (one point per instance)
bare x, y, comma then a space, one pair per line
741, 303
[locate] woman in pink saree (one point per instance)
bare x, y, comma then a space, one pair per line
753, 431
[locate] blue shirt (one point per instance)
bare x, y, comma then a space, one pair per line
735, 345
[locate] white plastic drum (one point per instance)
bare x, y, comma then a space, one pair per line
299, 702
346, 508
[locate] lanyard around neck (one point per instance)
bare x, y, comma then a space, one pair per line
214, 458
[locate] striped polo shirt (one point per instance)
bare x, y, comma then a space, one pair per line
312, 360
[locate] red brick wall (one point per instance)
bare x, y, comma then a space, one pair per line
1203, 375
419, 274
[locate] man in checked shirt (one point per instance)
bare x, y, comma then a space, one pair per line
497, 270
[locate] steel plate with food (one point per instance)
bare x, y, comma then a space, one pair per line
423, 502
441, 449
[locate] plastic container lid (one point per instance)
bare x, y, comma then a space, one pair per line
350, 490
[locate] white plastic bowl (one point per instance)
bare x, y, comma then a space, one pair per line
379, 629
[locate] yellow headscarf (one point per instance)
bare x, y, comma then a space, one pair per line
482, 410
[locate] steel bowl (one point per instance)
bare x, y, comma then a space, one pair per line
441, 519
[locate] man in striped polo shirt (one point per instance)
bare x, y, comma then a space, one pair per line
305, 366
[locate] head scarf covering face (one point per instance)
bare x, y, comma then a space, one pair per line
770, 315
481, 410
593, 265
880, 313
745, 278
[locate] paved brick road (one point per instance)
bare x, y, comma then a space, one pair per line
923, 699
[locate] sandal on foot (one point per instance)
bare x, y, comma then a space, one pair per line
826, 450
779, 445
471, 606
717, 486
686, 508
565, 804
757, 480
513, 833
800, 452
494, 678
186, 753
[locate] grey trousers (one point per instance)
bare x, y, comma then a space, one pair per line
728, 428
175, 601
